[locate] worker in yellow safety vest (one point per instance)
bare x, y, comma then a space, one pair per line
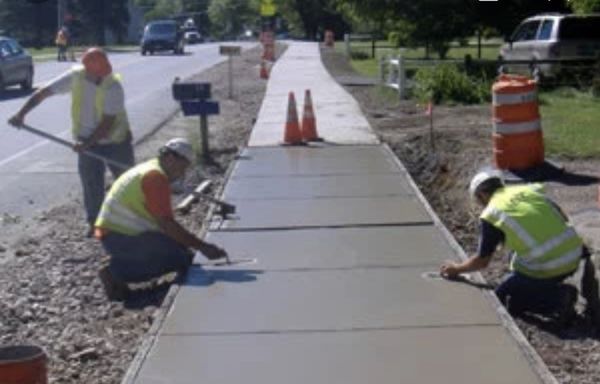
99, 123
545, 248
61, 44
137, 228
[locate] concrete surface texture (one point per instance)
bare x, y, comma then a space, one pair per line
342, 290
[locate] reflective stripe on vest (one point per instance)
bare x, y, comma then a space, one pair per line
124, 209
544, 245
120, 129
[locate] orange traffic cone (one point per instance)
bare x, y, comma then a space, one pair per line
309, 123
292, 135
264, 73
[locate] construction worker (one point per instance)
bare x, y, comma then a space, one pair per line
546, 250
137, 228
99, 123
61, 44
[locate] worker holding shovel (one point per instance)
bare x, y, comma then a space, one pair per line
137, 228
100, 126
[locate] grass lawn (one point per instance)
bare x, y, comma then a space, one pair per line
571, 123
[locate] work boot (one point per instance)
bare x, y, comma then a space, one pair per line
115, 289
565, 313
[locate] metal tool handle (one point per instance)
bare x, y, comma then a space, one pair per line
66, 143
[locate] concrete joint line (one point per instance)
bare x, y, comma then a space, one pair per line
340, 226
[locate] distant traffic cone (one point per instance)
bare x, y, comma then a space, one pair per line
292, 135
309, 122
264, 73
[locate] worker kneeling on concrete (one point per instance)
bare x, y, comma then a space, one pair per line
137, 228
546, 250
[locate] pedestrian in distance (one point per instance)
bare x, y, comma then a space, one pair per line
61, 44
99, 123
137, 228
545, 248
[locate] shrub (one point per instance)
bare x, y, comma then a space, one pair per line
446, 84
359, 55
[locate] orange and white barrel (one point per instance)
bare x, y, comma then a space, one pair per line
517, 134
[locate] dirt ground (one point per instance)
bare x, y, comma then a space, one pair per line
462, 144
50, 294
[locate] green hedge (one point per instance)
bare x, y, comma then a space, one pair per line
445, 83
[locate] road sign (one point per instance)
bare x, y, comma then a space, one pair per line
190, 91
230, 50
267, 8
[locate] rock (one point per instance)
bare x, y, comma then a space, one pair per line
86, 354
2, 249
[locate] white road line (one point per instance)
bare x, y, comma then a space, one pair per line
29, 149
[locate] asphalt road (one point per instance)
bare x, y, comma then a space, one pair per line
36, 173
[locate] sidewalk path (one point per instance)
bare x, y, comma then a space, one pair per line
343, 289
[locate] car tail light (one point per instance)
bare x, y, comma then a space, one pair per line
554, 50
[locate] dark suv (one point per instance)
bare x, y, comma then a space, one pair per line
162, 35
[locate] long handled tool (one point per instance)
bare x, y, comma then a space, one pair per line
66, 143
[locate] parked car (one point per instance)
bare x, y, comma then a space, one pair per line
192, 37
162, 35
552, 36
16, 65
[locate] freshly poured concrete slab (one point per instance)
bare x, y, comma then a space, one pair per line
303, 187
246, 300
325, 212
472, 355
336, 248
294, 161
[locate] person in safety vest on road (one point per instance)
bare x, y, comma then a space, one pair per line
137, 228
61, 44
99, 123
545, 248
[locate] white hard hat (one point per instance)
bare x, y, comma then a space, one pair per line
481, 177
182, 147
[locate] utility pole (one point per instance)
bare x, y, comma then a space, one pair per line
60, 13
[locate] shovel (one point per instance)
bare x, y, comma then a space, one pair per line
66, 143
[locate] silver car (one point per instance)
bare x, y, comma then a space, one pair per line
16, 65
552, 36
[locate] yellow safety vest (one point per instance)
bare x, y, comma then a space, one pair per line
544, 244
124, 208
120, 129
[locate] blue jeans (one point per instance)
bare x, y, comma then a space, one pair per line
91, 173
526, 293
146, 256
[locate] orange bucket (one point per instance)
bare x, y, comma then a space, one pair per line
518, 151
23, 364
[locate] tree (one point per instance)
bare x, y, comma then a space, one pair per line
585, 6
230, 18
34, 24
313, 17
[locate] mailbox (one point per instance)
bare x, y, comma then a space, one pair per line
190, 91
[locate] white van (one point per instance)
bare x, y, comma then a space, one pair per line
552, 36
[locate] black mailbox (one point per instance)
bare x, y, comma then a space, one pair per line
190, 91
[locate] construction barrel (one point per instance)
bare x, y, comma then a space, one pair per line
517, 132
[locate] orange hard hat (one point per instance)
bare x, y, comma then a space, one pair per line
96, 62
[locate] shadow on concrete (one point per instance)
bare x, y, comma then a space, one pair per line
550, 171
200, 277
469, 281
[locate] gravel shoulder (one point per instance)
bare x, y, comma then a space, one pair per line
462, 144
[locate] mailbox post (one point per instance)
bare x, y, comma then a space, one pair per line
194, 100
230, 51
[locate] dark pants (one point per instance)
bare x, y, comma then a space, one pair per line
141, 258
528, 294
91, 173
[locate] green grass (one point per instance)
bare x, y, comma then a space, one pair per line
571, 123
370, 67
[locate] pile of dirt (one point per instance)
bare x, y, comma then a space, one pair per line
50, 294
442, 169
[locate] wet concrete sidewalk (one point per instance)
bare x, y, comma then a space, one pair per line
343, 289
